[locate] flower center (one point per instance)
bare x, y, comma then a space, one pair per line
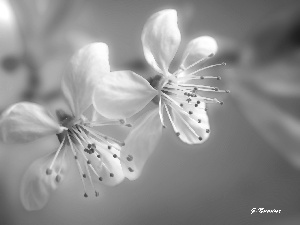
65, 119
156, 82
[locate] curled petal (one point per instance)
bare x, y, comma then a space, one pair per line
121, 94
140, 144
25, 122
85, 69
198, 49
189, 130
161, 38
36, 185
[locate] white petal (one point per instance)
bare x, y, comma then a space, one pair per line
36, 185
84, 72
190, 130
121, 94
161, 38
198, 49
140, 143
25, 122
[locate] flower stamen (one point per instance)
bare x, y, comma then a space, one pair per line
78, 165
173, 124
57, 152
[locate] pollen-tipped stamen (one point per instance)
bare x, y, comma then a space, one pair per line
55, 156
103, 137
182, 68
172, 122
189, 127
105, 123
161, 116
78, 165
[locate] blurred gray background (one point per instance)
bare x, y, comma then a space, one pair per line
218, 182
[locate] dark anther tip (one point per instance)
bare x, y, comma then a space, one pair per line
48, 171
58, 178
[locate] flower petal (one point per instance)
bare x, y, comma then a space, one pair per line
25, 122
197, 49
86, 67
140, 144
191, 132
121, 94
161, 38
36, 185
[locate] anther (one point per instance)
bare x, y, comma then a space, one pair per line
227, 91
98, 156
201, 77
100, 178
206, 109
89, 145
85, 195
84, 175
181, 104
96, 193
129, 158
190, 112
130, 169
207, 130
88, 162
93, 145
122, 121
75, 157
109, 147
211, 55
218, 78
164, 126
196, 105
114, 155
111, 175
58, 178
198, 102
200, 138
221, 103
48, 171
177, 133
199, 121
216, 89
